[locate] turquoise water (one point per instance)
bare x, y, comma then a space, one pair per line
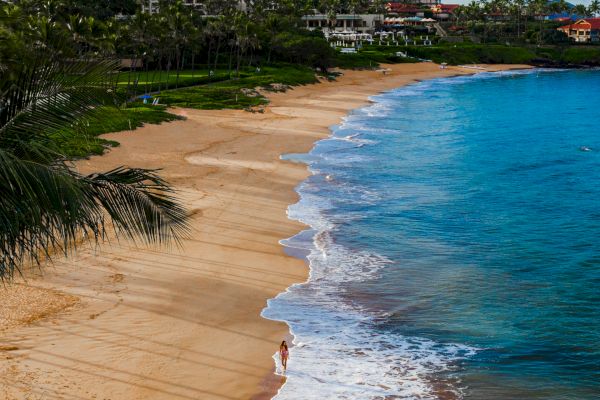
455, 245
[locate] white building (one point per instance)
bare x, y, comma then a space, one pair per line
360, 23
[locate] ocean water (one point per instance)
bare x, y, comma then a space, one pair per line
454, 245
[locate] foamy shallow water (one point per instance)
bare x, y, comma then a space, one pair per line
337, 352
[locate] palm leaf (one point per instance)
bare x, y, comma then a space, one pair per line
139, 203
45, 206
46, 98
46, 209
42, 208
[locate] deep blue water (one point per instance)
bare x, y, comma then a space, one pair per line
455, 249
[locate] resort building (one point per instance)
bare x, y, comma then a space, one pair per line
359, 23
583, 30
444, 11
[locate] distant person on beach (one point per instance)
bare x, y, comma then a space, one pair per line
284, 353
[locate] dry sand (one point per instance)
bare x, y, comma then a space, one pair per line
129, 323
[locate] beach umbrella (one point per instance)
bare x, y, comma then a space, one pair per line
145, 97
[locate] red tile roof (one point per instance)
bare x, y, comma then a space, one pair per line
587, 23
595, 22
449, 7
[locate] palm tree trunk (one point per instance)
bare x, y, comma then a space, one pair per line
154, 73
168, 69
216, 66
160, 67
237, 67
193, 62
230, 60
146, 85
208, 58
137, 75
177, 66
129, 80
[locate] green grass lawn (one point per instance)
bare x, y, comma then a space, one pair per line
136, 83
140, 82
238, 93
213, 97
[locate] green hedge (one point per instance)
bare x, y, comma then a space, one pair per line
467, 54
455, 54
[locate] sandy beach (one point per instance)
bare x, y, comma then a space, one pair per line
124, 321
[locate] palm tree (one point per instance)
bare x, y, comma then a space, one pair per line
486, 7
473, 13
458, 15
580, 10
220, 30
178, 20
46, 206
594, 8
517, 10
241, 39
500, 8
330, 8
138, 32
272, 25
539, 9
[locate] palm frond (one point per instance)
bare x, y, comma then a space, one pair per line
47, 97
46, 206
47, 209
42, 209
140, 204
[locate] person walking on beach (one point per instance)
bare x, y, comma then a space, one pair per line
284, 354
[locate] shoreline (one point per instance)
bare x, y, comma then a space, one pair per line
465, 70
185, 323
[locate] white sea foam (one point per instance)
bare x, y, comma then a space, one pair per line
378, 109
338, 352
354, 138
